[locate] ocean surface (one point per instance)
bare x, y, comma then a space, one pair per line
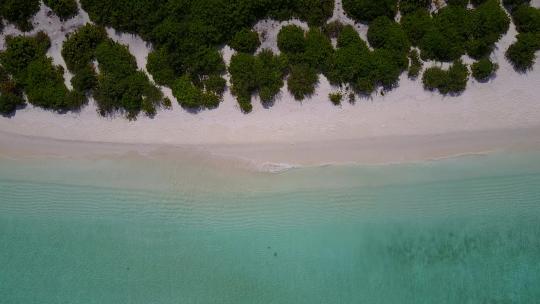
463, 230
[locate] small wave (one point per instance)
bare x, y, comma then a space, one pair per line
275, 167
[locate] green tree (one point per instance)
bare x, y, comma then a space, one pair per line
19, 12
302, 81
246, 41
483, 69
367, 10
64, 9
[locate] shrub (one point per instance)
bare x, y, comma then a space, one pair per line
416, 25
332, 29
367, 10
263, 73
85, 80
291, 39
160, 67
79, 48
64, 9
483, 69
445, 40
527, 19
349, 37
452, 81
26, 61
302, 81
522, 52
317, 51
511, 4
121, 86
11, 97
19, 12
416, 65
335, 98
387, 34
409, 6
487, 23
215, 84
246, 41
187, 94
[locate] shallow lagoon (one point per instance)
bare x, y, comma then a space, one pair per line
462, 230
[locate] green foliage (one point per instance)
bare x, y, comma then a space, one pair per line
121, 87
527, 19
416, 65
512, 4
262, 73
11, 96
317, 51
215, 84
26, 61
187, 94
483, 69
461, 3
364, 70
64, 9
367, 10
335, 98
85, 80
522, 52
387, 34
302, 81
186, 34
160, 67
19, 12
451, 81
416, 25
246, 41
291, 39
332, 29
455, 30
487, 23
349, 37
445, 40
79, 48
409, 6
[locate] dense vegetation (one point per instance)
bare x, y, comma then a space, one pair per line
120, 86
452, 81
186, 36
483, 69
364, 70
415, 66
522, 53
11, 96
455, 30
262, 74
64, 9
366, 11
26, 62
19, 12
335, 98
307, 55
246, 41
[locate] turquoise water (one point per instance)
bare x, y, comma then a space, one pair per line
457, 231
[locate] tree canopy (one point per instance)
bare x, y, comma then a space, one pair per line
31, 70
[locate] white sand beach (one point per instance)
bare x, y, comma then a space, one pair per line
406, 124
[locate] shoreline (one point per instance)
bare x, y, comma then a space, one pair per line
279, 157
405, 124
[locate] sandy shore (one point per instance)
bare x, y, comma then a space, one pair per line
405, 124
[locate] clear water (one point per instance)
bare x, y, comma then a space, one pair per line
458, 231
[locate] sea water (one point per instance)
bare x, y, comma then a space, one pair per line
464, 230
